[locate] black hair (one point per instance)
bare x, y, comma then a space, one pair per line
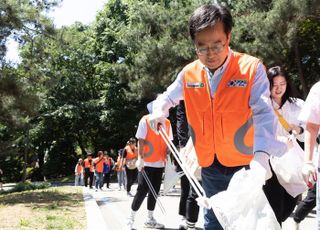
132, 140
208, 16
289, 94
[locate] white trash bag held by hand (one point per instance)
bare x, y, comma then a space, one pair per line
289, 169
244, 206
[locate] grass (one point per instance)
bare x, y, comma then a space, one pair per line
45, 209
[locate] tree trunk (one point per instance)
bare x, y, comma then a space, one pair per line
83, 150
299, 66
24, 175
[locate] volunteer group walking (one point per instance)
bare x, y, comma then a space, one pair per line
238, 115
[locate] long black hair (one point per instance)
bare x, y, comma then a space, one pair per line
289, 94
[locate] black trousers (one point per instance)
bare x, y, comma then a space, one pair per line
131, 177
281, 202
155, 177
192, 207
306, 205
88, 174
106, 178
185, 190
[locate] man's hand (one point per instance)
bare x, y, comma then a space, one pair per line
203, 202
309, 173
260, 163
140, 163
154, 122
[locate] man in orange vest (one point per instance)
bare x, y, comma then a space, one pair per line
98, 164
226, 96
152, 152
88, 170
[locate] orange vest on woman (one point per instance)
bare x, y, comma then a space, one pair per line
221, 125
154, 148
131, 154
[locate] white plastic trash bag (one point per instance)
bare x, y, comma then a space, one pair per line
244, 206
171, 177
288, 169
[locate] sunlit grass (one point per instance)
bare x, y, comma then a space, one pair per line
52, 208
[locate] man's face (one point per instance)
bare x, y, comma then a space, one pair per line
212, 46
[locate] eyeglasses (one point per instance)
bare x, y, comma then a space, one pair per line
216, 48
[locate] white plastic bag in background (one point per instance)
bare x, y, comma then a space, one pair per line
244, 206
171, 176
288, 169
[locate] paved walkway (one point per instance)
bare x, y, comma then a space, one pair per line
109, 209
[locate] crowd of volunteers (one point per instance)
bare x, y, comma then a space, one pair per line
238, 113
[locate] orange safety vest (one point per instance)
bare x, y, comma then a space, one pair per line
221, 125
99, 164
79, 169
88, 165
131, 154
154, 148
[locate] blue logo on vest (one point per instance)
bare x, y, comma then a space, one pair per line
237, 83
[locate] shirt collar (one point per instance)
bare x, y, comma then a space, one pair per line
224, 66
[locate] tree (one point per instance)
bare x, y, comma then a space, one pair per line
270, 30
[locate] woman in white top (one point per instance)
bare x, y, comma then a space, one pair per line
285, 103
287, 107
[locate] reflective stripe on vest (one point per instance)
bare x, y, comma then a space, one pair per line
223, 125
154, 148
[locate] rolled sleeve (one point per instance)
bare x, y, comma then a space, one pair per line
264, 119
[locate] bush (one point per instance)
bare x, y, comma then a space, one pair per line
27, 186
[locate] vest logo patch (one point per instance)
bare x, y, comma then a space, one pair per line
238, 83
195, 84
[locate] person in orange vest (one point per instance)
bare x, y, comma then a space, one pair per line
120, 169
130, 156
228, 108
88, 170
98, 164
107, 169
79, 170
152, 152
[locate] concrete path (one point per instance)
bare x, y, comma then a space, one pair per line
114, 207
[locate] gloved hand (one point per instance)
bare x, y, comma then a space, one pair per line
155, 120
309, 173
260, 163
203, 202
140, 163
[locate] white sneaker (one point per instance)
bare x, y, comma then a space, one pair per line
129, 224
183, 224
152, 223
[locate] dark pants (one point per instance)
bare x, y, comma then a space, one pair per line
192, 207
188, 206
281, 202
106, 178
155, 177
306, 205
88, 174
131, 177
185, 189
215, 179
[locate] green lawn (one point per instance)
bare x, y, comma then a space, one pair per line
53, 208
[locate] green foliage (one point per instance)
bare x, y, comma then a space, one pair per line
20, 187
